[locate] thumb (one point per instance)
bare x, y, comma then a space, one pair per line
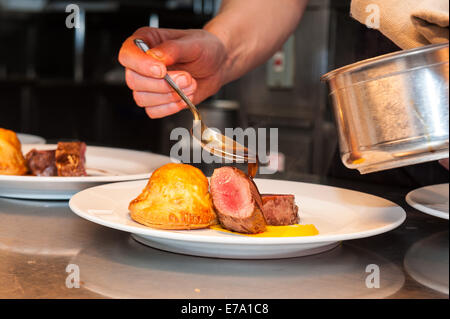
181, 50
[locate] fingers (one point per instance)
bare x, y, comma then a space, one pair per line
145, 70
158, 98
171, 46
137, 82
183, 50
165, 110
161, 101
146, 99
132, 57
167, 47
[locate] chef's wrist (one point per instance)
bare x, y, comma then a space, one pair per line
224, 36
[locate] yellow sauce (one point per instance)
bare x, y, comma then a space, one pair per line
358, 161
278, 231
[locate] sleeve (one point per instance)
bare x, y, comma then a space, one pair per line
408, 23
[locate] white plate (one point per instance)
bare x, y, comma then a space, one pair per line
432, 200
338, 214
103, 164
30, 139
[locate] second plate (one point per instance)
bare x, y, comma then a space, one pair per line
103, 165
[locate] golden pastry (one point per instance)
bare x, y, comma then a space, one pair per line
176, 197
12, 161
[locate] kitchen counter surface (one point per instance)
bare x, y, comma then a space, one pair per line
41, 240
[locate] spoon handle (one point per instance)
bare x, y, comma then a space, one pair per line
144, 47
183, 96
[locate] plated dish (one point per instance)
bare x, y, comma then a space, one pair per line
66, 159
338, 214
432, 200
103, 165
178, 196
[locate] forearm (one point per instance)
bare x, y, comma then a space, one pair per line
252, 30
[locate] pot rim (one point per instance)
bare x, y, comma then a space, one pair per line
382, 59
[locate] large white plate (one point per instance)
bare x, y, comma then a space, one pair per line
30, 139
431, 200
338, 214
103, 165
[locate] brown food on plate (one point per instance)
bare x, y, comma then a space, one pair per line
12, 161
70, 159
175, 197
41, 163
280, 210
237, 201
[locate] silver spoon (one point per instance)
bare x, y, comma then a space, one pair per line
210, 140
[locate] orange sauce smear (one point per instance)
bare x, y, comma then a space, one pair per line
295, 230
358, 161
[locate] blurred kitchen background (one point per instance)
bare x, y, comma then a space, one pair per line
62, 83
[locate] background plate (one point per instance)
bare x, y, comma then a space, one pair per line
30, 139
431, 200
103, 165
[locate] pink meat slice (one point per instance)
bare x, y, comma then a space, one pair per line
280, 210
237, 201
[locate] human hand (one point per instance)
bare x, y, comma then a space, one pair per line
193, 58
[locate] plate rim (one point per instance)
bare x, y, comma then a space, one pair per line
83, 179
42, 140
231, 240
425, 209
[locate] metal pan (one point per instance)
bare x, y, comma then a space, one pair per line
392, 110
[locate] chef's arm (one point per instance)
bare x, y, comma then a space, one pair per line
252, 30
244, 34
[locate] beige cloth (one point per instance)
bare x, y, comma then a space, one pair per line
408, 23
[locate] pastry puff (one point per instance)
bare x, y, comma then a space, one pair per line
176, 197
12, 161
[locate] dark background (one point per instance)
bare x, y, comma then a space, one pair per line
41, 94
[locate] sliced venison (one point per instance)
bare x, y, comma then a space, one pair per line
280, 210
237, 201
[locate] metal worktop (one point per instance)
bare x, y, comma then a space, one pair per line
39, 239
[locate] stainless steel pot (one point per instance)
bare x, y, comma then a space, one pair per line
392, 110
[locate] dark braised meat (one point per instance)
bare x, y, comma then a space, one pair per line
41, 163
280, 210
70, 159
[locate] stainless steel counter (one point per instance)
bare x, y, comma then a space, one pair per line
39, 239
